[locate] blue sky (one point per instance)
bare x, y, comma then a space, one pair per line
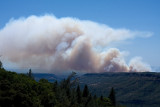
140, 15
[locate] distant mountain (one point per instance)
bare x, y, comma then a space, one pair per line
132, 89
49, 77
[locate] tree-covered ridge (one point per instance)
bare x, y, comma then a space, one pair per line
21, 90
138, 89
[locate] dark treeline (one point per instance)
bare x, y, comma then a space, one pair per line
21, 90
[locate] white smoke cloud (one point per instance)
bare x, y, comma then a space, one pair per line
136, 64
66, 44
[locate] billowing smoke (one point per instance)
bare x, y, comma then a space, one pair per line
60, 44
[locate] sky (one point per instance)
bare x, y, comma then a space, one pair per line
135, 15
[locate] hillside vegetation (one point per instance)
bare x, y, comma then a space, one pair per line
132, 89
21, 90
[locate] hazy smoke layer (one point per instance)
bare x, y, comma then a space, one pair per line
67, 44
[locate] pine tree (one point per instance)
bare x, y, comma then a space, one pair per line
101, 97
88, 100
112, 96
79, 98
55, 86
30, 74
1, 65
85, 91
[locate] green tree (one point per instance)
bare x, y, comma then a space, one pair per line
85, 91
79, 97
112, 96
17, 90
30, 74
101, 97
1, 65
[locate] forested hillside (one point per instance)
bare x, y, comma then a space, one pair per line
89, 90
21, 90
132, 89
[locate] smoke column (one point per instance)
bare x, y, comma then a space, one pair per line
60, 44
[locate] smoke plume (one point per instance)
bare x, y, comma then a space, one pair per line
60, 44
